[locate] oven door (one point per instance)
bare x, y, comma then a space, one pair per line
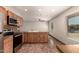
17, 40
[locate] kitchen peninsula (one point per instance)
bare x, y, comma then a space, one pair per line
13, 35
35, 37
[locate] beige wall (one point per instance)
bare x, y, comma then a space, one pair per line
13, 10
60, 26
35, 26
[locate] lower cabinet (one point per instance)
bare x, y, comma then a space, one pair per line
35, 37
8, 44
43, 36
12, 44
29, 37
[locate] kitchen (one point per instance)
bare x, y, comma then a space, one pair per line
13, 36
39, 29
34, 29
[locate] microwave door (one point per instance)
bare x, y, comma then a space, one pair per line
12, 21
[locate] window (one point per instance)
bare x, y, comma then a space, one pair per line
73, 24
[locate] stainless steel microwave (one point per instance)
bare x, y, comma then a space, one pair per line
11, 21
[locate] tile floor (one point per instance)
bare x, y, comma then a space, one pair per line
39, 47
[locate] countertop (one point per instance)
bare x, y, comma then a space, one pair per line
4, 37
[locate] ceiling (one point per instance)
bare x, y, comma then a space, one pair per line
36, 13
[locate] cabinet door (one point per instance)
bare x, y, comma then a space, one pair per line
15, 16
43, 37
30, 37
20, 21
8, 45
10, 14
46, 37
25, 37
36, 37
3, 13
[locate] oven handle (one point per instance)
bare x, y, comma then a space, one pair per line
17, 35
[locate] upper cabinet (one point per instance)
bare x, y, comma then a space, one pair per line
3, 17
16, 17
20, 21
10, 14
9, 18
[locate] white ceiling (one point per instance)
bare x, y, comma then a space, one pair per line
34, 13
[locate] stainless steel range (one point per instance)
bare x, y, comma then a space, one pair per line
17, 40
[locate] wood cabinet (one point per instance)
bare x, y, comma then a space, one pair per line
20, 21
24, 37
8, 41
6, 13
29, 37
10, 14
16, 17
3, 13
8, 44
43, 36
35, 37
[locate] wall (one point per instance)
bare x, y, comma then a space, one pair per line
60, 26
13, 10
31, 25
35, 26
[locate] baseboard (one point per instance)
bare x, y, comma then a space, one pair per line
56, 39
59, 49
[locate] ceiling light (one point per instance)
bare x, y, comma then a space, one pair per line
39, 9
26, 9
53, 10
